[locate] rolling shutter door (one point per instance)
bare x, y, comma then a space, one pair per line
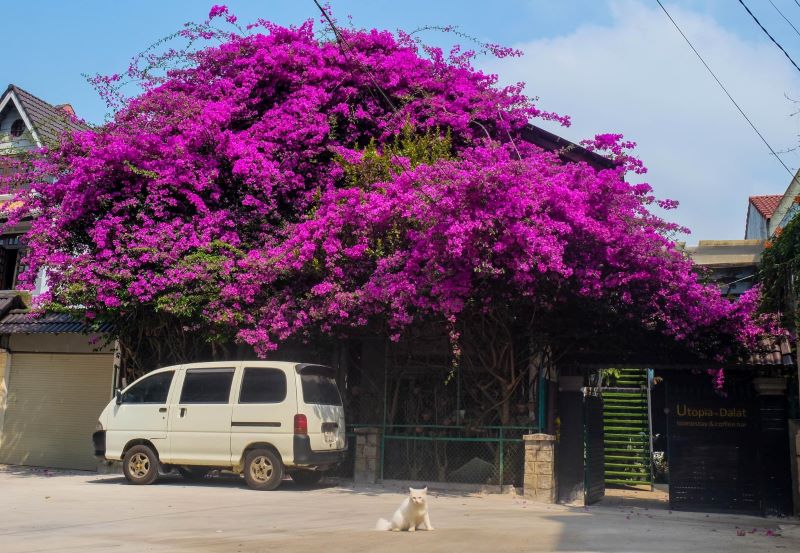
53, 404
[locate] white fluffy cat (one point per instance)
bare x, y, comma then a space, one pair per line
412, 513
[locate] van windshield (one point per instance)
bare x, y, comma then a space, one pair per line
320, 389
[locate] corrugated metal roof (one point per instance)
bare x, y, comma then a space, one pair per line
568, 151
21, 321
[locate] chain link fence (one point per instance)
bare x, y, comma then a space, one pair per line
492, 455
463, 455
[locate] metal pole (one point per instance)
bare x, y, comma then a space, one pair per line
502, 458
385, 402
458, 394
650, 426
542, 400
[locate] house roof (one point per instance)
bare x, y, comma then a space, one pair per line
22, 321
568, 151
48, 121
766, 205
9, 301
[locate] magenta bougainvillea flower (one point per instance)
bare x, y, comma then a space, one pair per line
220, 195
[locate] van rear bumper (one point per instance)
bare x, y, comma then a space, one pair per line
304, 455
99, 441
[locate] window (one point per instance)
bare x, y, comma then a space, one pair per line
9, 260
207, 386
153, 389
263, 386
319, 388
17, 128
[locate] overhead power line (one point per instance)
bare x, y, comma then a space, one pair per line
784, 17
347, 49
766, 32
725, 90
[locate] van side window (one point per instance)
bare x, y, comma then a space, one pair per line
319, 389
207, 386
153, 389
263, 386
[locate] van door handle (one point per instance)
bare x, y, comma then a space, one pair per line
183, 411
162, 409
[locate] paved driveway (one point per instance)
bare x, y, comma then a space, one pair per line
58, 511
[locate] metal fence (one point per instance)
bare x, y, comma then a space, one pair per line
491, 455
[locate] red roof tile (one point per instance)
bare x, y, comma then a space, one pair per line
766, 205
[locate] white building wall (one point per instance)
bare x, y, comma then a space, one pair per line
7, 142
787, 206
756, 225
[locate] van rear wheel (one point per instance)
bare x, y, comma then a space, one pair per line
140, 465
263, 469
307, 477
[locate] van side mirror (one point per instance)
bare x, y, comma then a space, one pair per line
118, 395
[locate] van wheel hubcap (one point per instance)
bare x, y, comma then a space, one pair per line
261, 469
139, 465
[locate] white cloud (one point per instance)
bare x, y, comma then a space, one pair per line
639, 77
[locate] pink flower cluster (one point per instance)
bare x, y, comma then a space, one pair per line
219, 195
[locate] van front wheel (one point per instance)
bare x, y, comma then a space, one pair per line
140, 465
263, 469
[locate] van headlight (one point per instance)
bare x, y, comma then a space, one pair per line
98, 427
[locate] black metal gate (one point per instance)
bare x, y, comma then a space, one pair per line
713, 458
594, 450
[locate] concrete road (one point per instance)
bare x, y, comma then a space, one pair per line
61, 511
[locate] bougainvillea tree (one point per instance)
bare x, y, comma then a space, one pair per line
281, 185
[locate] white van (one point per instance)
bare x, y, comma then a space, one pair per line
259, 418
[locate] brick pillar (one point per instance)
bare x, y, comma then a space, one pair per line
368, 456
540, 460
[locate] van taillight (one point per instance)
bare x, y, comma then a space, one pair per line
300, 424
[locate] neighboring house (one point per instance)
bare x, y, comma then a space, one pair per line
788, 206
760, 211
730, 264
54, 378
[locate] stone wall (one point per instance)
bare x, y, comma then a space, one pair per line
540, 479
367, 465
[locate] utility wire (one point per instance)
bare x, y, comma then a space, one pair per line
766, 32
347, 49
725, 90
784, 17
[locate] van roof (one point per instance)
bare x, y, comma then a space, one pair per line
286, 365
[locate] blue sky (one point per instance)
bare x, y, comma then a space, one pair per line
613, 65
